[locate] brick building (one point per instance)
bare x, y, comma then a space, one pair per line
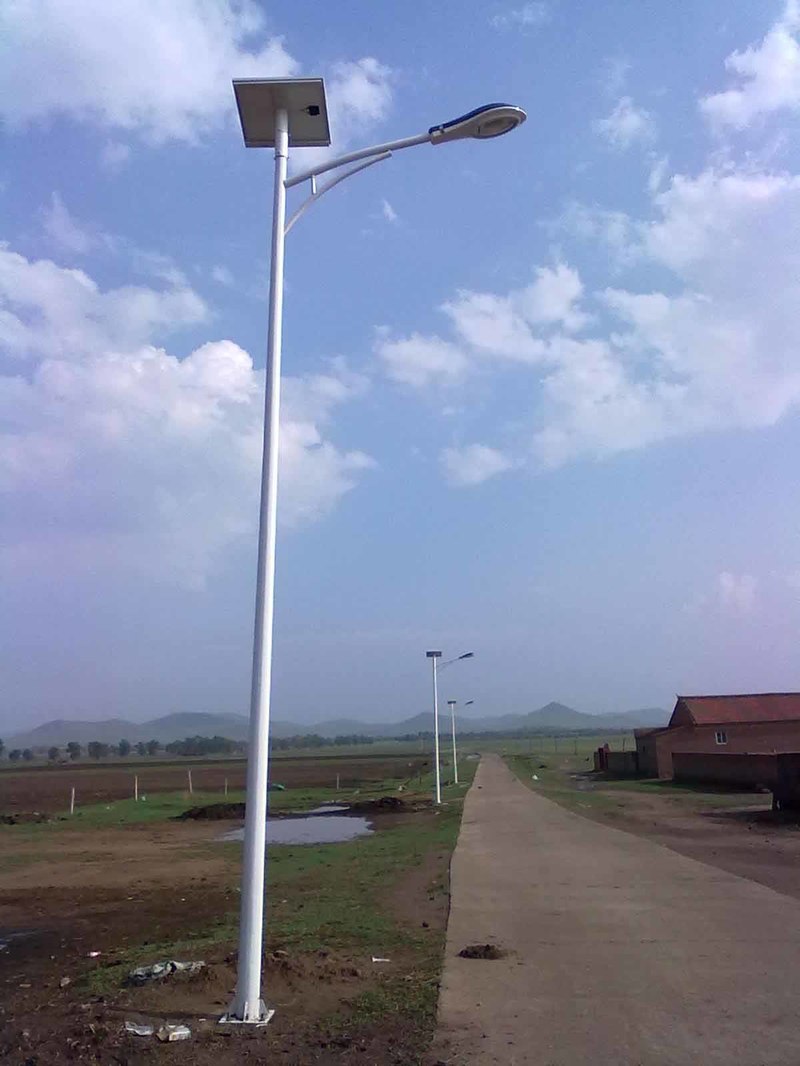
759, 723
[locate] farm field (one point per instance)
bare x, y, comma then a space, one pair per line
83, 900
47, 788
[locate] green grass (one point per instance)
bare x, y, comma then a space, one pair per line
161, 806
334, 896
562, 776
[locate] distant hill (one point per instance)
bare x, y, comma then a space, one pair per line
553, 717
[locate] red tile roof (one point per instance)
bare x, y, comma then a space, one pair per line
756, 707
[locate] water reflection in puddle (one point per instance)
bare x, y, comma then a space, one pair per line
8, 936
317, 827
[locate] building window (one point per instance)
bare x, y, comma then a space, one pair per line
721, 736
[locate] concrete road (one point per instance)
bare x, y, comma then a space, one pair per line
620, 951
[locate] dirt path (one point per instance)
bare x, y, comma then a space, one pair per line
620, 951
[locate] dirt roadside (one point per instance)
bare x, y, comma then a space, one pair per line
113, 889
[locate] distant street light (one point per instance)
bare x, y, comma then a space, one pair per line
281, 113
452, 705
433, 656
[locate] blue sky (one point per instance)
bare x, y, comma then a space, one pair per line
540, 394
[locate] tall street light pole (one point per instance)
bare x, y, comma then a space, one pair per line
284, 113
434, 656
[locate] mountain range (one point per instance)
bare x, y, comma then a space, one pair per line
553, 717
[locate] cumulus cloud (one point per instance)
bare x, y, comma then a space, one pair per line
161, 70
768, 77
421, 361
715, 349
626, 125
113, 452
488, 326
473, 464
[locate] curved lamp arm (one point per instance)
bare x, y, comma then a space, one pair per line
317, 193
352, 157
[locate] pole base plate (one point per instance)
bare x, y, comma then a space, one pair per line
265, 1015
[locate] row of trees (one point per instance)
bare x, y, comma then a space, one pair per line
95, 749
313, 740
198, 745
205, 746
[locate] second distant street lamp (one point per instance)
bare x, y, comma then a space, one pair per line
434, 657
284, 113
452, 705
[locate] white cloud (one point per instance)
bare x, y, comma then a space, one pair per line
626, 125
768, 75
161, 70
66, 233
714, 348
388, 211
47, 311
717, 351
115, 453
528, 16
422, 361
737, 592
473, 464
488, 326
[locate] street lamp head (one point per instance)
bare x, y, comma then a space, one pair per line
433, 654
452, 703
491, 120
469, 703
467, 655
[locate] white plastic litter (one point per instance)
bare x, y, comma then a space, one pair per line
139, 1029
376, 958
167, 1034
144, 975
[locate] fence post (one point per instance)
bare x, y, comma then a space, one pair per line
226, 786
136, 788
72, 801
189, 773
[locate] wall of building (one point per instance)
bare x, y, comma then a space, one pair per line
742, 770
647, 753
741, 737
622, 763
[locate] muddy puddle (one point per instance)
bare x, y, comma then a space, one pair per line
322, 825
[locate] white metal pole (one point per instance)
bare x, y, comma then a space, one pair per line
72, 801
226, 786
438, 792
247, 1004
453, 726
189, 775
136, 788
